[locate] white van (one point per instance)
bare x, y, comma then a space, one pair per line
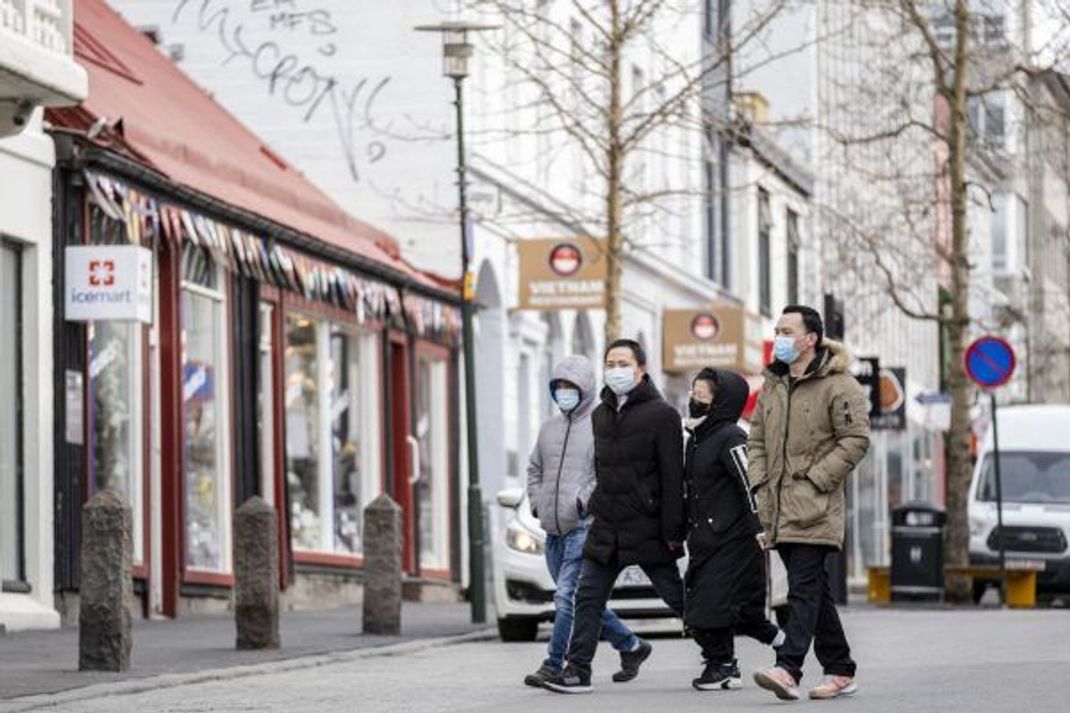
1034, 444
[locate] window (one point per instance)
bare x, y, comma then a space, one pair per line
582, 336
12, 514
1009, 229
765, 227
206, 425
987, 119
116, 434
332, 432
793, 257
710, 215
1027, 477
431, 432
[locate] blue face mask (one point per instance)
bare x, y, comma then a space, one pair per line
784, 349
621, 379
567, 399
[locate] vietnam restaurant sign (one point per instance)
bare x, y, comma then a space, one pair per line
108, 282
562, 273
722, 335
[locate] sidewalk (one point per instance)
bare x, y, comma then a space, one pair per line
35, 662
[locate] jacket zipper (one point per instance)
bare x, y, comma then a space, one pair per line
784, 456
557, 485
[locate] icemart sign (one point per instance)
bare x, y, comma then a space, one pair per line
108, 282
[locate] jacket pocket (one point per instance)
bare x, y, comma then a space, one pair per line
802, 504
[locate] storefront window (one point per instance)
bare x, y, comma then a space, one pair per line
115, 382
434, 463
332, 436
12, 567
302, 431
205, 422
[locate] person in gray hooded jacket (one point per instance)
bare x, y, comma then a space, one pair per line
560, 482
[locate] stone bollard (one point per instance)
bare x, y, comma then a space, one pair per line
256, 574
107, 584
382, 567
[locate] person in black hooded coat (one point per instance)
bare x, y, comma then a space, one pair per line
725, 583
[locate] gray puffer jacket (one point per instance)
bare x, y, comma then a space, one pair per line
561, 467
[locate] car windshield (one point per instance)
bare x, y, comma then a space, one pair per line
1027, 477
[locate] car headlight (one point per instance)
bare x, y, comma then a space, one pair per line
519, 539
977, 527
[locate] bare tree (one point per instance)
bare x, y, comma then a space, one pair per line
573, 56
921, 91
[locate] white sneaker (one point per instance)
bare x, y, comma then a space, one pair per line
780, 682
834, 687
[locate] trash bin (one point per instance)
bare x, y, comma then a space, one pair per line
917, 552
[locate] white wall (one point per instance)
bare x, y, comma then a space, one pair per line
26, 164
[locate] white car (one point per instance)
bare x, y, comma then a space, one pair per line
1035, 474
524, 591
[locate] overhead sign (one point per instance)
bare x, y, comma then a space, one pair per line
721, 336
936, 410
108, 282
891, 394
990, 362
562, 273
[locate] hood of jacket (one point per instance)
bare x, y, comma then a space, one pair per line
578, 370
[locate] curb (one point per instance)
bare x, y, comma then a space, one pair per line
131, 687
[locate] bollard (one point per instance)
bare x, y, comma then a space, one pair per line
107, 584
256, 573
382, 567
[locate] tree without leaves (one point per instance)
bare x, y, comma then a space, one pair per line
912, 171
580, 86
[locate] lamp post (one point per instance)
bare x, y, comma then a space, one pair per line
456, 51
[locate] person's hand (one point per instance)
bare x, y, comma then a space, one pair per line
763, 540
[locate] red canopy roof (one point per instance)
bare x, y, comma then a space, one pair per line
173, 125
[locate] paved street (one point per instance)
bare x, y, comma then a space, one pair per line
916, 661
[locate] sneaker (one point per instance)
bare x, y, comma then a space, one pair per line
719, 677
780, 682
569, 680
535, 680
630, 661
834, 687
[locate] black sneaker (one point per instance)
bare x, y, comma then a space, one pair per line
719, 677
535, 680
630, 661
569, 680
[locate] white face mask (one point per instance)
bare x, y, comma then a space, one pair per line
567, 399
620, 379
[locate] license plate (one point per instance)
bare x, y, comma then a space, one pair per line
633, 577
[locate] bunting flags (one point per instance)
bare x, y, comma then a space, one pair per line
267, 261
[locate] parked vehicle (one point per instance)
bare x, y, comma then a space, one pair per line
1035, 473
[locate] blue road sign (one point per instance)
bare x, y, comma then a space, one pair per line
990, 362
929, 398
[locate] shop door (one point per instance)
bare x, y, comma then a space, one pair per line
404, 449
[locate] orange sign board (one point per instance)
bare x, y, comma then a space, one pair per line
562, 273
723, 336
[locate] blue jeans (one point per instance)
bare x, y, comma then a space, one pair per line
564, 557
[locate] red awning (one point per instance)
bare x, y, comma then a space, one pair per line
156, 113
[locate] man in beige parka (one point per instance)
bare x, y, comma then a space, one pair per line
809, 431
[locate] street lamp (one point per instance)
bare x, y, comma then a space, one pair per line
456, 51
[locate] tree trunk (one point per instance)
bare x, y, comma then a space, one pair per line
614, 162
959, 464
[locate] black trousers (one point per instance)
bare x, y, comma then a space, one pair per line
718, 645
813, 614
595, 586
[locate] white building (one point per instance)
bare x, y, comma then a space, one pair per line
36, 69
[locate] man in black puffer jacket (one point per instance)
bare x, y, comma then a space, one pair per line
725, 581
638, 508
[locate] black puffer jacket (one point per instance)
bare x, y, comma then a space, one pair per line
726, 570
638, 501
719, 503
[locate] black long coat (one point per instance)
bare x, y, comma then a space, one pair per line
638, 500
726, 566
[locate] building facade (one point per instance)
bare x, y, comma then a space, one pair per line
36, 70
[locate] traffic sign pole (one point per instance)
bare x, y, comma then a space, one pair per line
999, 505
989, 362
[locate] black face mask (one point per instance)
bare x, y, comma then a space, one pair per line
697, 409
